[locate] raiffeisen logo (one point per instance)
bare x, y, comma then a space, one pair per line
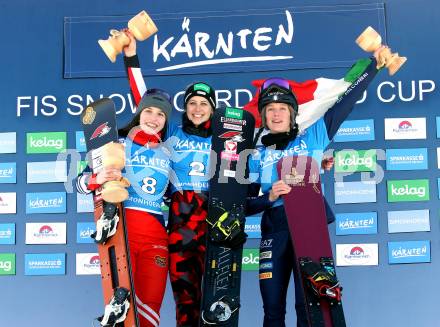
357, 254
93, 263
405, 125
200, 48
45, 231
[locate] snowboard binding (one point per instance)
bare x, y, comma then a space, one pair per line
116, 311
321, 278
221, 311
107, 224
225, 226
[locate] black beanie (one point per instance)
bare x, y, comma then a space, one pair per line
200, 89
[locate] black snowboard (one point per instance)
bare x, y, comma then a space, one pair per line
306, 215
233, 131
99, 124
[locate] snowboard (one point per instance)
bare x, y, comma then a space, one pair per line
307, 222
99, 125
232, 133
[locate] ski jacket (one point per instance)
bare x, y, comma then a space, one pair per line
147, 168
311, 142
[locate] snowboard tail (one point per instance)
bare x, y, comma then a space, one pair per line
307, 222
232, 133
99, 125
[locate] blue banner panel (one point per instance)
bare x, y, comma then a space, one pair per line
46, 172
43, 264
7, 233
8, 142
46, 202
355, 192
83, 232
8, 173
355, 130
407, 159
253, 227
408, 221
409, 252
228, 41
356, 223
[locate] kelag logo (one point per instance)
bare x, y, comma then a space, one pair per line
408, 190
7, 233
46, 202
8, 173
355, 192
87, 264
405, 128
349, 161
8, 202
355, 130
80, 141
7, 264
356, 223
407, 159
51, 142
250, 259
409, 252
45, 233
84, 202
408, 221
84, 232
47, 172
357, 254
8, 142
44, 264
253, 227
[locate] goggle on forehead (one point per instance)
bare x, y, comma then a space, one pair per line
274, 87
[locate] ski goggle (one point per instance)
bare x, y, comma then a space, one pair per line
276, 90
276, 81
161, 92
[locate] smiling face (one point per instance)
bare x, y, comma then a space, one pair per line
198, 110
152, 120
278, 117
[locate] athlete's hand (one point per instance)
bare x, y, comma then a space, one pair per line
278, 188
130, 49
108, 174
327, 163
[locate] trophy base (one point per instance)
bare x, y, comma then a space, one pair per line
114, 192
395, 63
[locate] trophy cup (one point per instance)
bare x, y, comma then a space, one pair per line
113, 156
371, 41
141, 26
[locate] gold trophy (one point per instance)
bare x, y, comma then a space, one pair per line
371, 41
141, 26
113, 156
